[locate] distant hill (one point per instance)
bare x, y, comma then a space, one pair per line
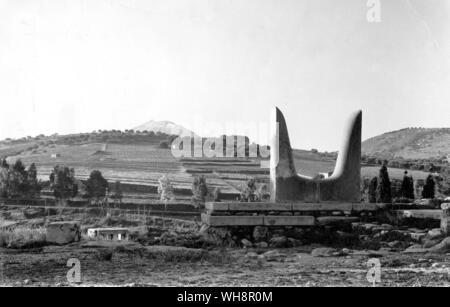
410, 143
166, 127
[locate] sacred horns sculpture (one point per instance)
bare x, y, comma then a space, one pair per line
344, 183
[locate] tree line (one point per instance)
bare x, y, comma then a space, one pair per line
380, 189
19, 182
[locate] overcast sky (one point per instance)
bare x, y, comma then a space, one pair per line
78, 66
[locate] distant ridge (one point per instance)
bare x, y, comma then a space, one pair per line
410, 143
166, 127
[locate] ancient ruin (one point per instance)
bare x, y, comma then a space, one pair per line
343, 185
296, 199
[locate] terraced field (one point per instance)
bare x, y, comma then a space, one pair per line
131, 164
143, 164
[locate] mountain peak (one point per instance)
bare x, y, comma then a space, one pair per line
166, 127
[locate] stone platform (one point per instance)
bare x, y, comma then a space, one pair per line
282, 214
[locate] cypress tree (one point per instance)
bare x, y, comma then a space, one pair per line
384, 186
373, 190
407, 190
428, 188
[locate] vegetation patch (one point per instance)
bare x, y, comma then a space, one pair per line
23, 237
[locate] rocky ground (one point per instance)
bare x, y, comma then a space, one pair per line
162, 266
168, 252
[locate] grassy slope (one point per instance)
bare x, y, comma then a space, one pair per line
411, 143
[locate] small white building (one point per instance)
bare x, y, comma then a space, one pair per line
110, 234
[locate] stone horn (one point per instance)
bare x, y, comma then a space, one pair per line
342, 186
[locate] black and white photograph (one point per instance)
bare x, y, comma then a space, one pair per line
224, 149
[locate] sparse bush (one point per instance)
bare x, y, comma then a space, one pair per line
216, 194
364, 188
248, 191
164, 145
22, 237
117, 192
105, 254
165, 189
199, 191
262, 193
444, 184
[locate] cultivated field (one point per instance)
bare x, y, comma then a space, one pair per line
142, 164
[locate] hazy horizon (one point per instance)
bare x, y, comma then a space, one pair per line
78, 66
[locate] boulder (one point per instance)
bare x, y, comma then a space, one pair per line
294, 242
443, 247
440, 248
417, 237
261, 245
273, 256
445, 220
324, 252
368, 226
278, 242
251, 255
63, 232
427, 243
445, 206
415, 249
424, 202
394, 244
218, 236
246, 243
435, 233
445, 225
260, 233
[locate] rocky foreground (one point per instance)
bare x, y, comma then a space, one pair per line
177, 256
134, 265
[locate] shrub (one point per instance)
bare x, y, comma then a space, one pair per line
164, 145
216, 194
248, 191
117, 192
165, 189
262, 193
22, 237
364, 188
199, 190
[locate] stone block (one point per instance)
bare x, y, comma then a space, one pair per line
63, 232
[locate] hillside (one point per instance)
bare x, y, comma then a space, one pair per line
137, 158
410, 143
